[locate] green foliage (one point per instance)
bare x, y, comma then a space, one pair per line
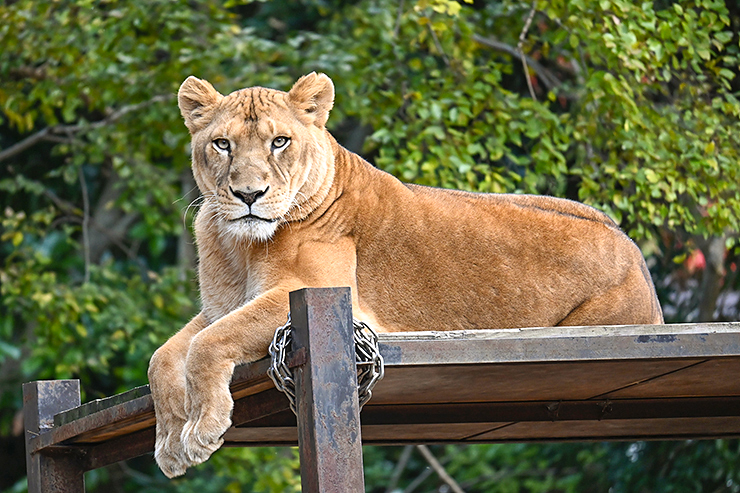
100, 79
630, 107
709, 465
642, 120
229, 470
618, 467
665, 151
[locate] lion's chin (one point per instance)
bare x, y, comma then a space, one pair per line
251, 229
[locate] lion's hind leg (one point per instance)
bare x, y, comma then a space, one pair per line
632, 302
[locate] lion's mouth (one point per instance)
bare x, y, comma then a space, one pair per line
252, 216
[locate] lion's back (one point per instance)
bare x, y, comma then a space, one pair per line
534, 204
534, 258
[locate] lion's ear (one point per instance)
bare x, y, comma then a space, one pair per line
197, 99
313, 97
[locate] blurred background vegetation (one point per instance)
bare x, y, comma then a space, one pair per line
630, 107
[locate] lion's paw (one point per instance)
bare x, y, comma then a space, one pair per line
168, 450
171, 464
203, 437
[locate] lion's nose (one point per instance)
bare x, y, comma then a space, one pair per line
249, 197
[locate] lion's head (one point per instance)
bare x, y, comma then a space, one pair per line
261, 157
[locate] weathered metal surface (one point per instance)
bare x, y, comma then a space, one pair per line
329, 436
50, 471
554, 344
57, 471
47, 398
130, 412
120, 419
98, 405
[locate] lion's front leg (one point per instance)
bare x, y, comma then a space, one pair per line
208, 401
169, 408
167, 383
240, 337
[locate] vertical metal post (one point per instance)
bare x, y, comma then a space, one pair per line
326, 391
53, 471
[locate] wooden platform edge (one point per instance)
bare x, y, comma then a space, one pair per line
619, 342
134, 408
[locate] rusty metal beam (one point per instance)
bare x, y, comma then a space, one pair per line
326, 391
51, 471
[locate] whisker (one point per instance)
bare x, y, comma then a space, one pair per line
185, 195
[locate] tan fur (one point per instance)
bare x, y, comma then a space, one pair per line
416, 258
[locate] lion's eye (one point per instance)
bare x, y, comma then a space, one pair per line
280, 142
222, 144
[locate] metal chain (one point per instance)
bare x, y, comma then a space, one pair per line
370, 368
279, 372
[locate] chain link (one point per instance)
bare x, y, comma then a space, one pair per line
370, 368
279, 372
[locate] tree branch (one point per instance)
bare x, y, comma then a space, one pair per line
85, 223
519, 46
438, 45
577, 68
439, 469
399, 13
400, 466
547, 77
25, 143
428, 471
115, 115
101, 222
52, 133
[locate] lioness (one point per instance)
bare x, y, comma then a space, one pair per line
286, 207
